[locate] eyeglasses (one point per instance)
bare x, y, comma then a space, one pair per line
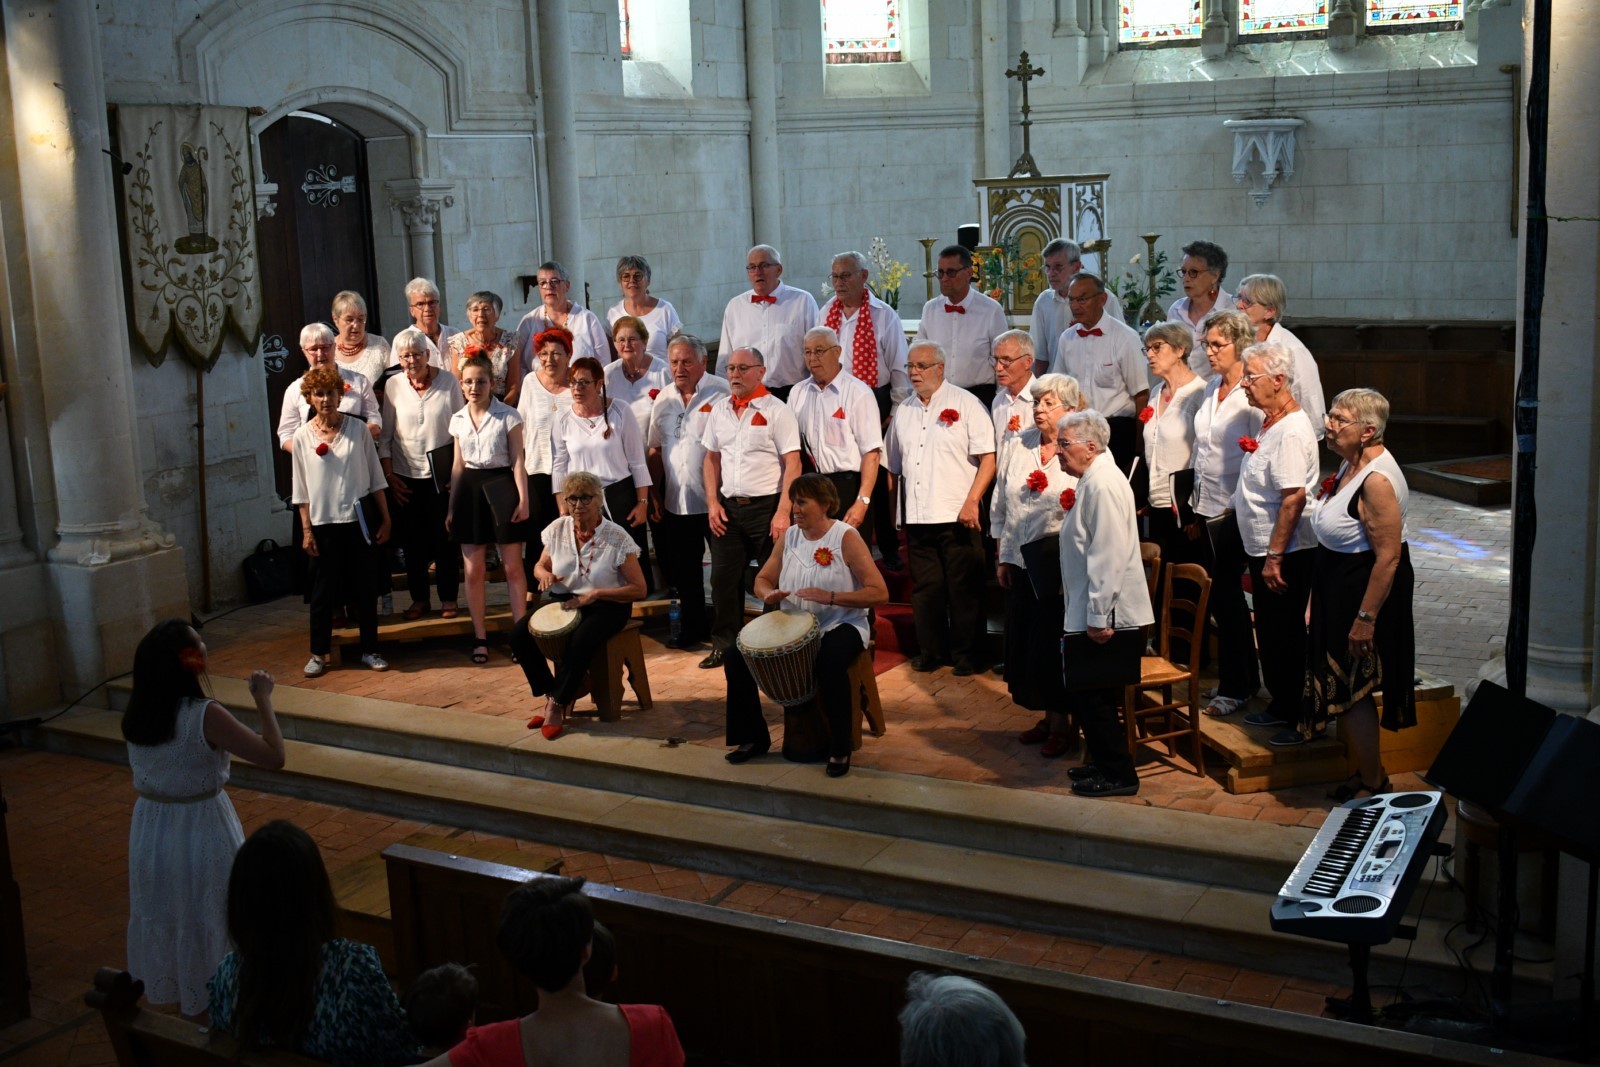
809, 352
1155, 346
1246, 379
1046, 402
426, 304
552, 283
476, 382
764, 265
1337, 420
1067, 442
582, 383
923, 366
846, 276
1192, 273
742, 368
319, 348
412, 355
581, 498
950, 272
631, 276
1217, 346
1241, 301
1001, 361
629, 339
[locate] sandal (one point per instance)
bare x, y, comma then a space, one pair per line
480, 654
449, 611
1353, 787
1221, 707
416, 611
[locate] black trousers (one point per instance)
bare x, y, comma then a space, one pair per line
880, 517
419, 528
947, 581
748, 539
748, 726
848, 485
780, 391
1281, 630
1237, 673
984, 393
343, 572
1126, 434
681, 542
1103, 733
599, 623
621, 498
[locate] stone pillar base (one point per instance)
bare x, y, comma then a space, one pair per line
101, 612
29, 681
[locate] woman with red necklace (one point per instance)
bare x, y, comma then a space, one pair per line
1279, 470
354, 348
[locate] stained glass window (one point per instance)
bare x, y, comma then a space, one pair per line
1148, 21
1282, 16
861, 31
627, 29
1393, 13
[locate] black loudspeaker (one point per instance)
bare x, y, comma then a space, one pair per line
1484, 758
1558, 792
967, 236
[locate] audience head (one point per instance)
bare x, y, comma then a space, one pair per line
952, 1021
1204, 266
601, 970
316, 341
1364, 407
746, 367
321, 379
440, 1005
545, 929
925, 366
955, 272
280, 914
1013, 359
167, 668
820, 346
1062, 259
764, 267
1166, 345
815, 487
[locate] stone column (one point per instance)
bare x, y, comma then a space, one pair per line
996, 96
421, 203
113, 571
761, 84
561, 142
13, 553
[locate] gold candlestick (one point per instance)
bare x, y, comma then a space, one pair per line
1152, 311
927, 262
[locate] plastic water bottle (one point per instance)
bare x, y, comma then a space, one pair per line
386, 604
674, 621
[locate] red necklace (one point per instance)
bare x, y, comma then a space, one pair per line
346, 350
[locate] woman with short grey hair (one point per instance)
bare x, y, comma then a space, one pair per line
423, 301
487, 339
1262, 298
659, 317
953, 1021
1168, 433
354, 348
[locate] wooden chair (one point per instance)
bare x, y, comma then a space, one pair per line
1150, 555
604, 681
1181, 717
141, 1038
864, 687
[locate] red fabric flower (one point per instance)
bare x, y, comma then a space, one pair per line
705, 408
1147, 414
1248, 444
1015, 424
823, 556
654, 393
477, 350
322, 448
192, 660
949, 416
1327, 486
1069, 497
1038, 481
758, 420
347, 387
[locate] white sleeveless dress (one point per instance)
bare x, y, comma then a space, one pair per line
821, 563
179, 857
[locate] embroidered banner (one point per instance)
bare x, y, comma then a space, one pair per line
190, 239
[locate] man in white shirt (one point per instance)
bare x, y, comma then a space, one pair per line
1051, 312
677, 471
316, 341
555, 309
1106, 357
874, 347
771, 317
1012, 409
752, 447
964, 323
840, 436
941, 456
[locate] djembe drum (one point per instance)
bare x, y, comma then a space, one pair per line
780, 649
552, 627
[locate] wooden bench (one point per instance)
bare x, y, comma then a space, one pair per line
142, 1038
748, 989
396, 629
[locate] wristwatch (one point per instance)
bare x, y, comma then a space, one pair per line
1365, 616
865, 500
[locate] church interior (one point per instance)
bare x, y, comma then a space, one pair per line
1381, 159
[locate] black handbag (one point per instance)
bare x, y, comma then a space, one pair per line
269, 572
1086, 666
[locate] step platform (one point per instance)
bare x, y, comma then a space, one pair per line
1255, 766
397, 629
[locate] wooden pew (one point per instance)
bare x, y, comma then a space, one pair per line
150, 1039
746, 989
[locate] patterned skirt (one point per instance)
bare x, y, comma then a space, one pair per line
1335, 682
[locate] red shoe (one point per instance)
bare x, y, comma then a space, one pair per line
1058, 745
1039, 732
536, 722
552, 731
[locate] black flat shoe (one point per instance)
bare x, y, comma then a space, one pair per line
1083, 773
1099, 786
745, 755
838, 770
712, 661
925, 664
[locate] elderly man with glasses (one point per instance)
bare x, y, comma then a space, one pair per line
1051, 313
964, 323
1106, 357
752, 444
771, 317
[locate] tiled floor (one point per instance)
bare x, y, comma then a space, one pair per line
68, 824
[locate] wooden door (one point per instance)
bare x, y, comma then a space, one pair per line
316, 243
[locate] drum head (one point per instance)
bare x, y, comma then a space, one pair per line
776, 629
552, 619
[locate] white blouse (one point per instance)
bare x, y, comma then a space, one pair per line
1018, 513
540, 408
487, 445
596, 565
1331, 520
820, 563
1169, 436
662, 322
414, 423
1218, 425
372, 362
639, 395
334, 483
1306, 381
581, 444
1179, 312
1285, 458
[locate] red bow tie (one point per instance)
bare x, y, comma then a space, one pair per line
757, 298
956, 308
1096, 332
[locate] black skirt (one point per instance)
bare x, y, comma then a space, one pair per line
472, 518
1033, 647
1333, 681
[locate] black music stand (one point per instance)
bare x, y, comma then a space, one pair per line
1529, 767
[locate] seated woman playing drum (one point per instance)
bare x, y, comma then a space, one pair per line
821, 567
591, 566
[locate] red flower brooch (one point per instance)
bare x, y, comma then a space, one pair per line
949, 416
1038, 481
477, 350
347, 387
322, 448
1069, 497
1015, 424
1147, 414
1248, 444
654, 393
1327, 486
823, 556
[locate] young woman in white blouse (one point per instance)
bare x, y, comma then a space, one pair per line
488, 464
592, 566
633, 278
335, 465
1026, 507
417, 408
356, 349
824, 567
1169, 432
601, 436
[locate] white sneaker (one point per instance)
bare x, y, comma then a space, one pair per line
315, 666
375, 661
